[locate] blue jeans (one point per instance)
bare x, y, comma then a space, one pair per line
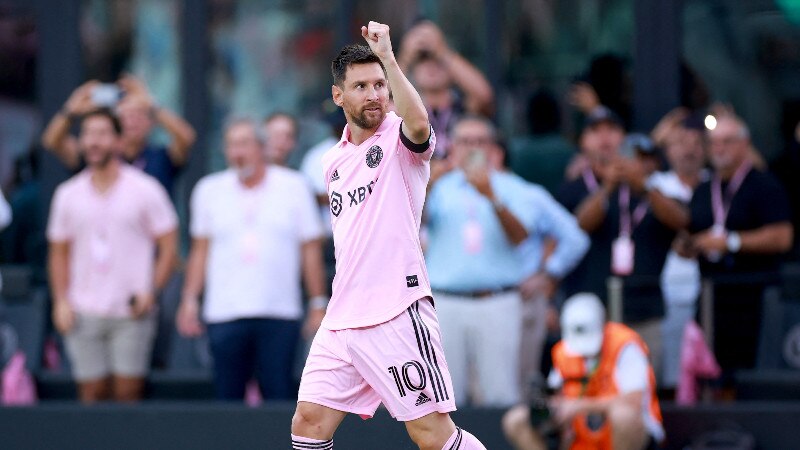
264, 347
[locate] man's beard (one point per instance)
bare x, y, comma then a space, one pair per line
103, 162
363, 122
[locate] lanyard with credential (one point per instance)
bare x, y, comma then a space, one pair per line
590, 181
722, 206
627, 220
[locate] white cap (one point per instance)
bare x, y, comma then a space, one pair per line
582, 322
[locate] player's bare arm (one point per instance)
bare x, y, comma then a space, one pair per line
407, 101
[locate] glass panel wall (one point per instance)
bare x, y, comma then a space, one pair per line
137, 37
747, 54
20, 119
268, 57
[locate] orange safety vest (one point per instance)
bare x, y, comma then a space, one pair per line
579, 383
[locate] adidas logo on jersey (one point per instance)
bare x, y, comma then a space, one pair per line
335, 175
422, 399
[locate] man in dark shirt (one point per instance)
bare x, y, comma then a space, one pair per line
741, 225
630, 223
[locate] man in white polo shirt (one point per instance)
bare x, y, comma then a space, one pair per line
255, 229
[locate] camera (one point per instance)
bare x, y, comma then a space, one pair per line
540, 414
106, 95
637, 143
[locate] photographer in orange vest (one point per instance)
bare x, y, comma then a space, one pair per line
606, 388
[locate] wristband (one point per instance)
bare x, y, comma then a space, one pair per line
650, 184
318, 302
733, 242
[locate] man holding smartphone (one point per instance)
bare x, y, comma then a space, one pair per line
476, 217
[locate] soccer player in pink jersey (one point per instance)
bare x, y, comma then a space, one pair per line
380, 340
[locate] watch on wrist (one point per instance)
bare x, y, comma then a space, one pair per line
650, 183
733, 242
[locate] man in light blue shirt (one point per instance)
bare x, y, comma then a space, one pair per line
477, 217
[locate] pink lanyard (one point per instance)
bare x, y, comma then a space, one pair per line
440, 122
590, 181
627, 220
722, 206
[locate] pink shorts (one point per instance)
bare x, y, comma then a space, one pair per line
400, 363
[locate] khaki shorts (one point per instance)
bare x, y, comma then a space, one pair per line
99, 346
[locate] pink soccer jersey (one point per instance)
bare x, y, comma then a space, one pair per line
376, 192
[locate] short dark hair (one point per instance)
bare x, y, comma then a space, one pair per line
278, 114
108, 114
352, 54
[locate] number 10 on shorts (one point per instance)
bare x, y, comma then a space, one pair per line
404, 377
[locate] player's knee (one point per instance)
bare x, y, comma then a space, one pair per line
432, 431
307, 420
421, 434
515, 421
425, 439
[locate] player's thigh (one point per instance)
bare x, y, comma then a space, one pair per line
403, 361
330, 379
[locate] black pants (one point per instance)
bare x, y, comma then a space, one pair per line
262, 347
737, 325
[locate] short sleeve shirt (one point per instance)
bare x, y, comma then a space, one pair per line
652, 241
376, 192
255, 241
759, 201
112, 237
468, 249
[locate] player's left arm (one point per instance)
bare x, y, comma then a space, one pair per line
408, 103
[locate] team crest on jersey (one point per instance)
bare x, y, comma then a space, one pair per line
374, 156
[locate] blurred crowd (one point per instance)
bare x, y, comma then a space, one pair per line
512, 226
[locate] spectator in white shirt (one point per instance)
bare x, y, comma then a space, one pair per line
255, 230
